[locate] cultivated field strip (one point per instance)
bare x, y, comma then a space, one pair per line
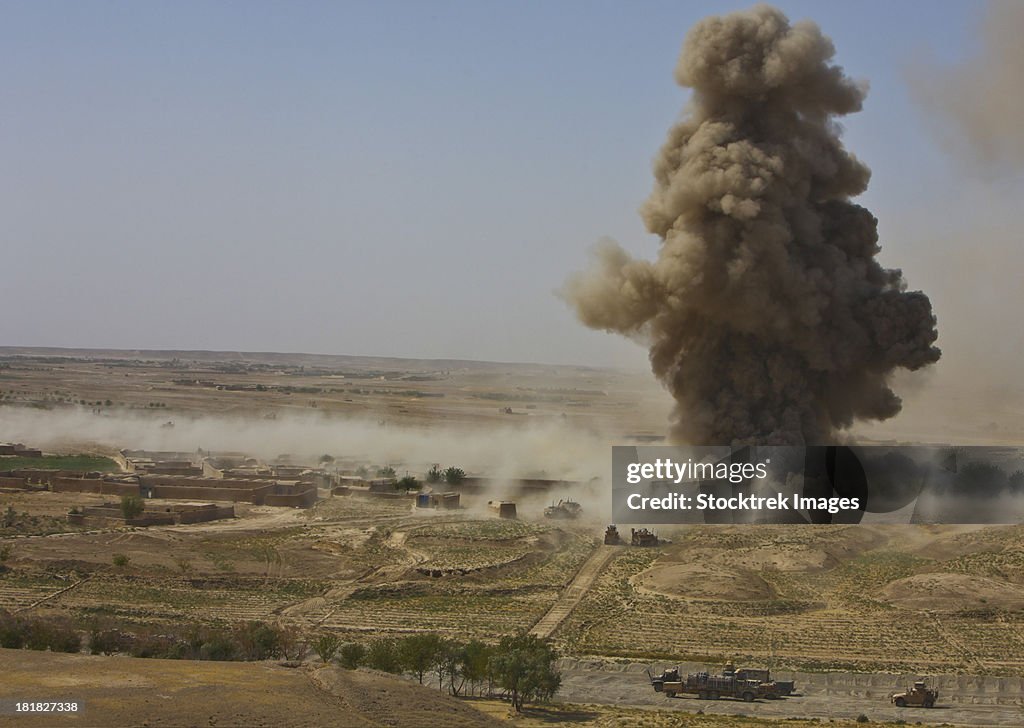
835, 632
476, 615
161, 601
14, 597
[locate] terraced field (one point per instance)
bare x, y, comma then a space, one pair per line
834, 611
349, 565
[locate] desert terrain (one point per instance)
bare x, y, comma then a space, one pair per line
852, 613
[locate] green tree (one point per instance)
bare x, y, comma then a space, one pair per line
419, 652
524, 665
407, 483
474, 662
448, 663
435, 474
132, 506
351, 655
454, 476
382, 655
326, 646
386, 472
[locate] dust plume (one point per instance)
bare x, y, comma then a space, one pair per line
552, 450
767, 316
978, 105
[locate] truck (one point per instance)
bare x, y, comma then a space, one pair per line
710, 687
564, 509
643, 537
782, 687
503, 509
918, 696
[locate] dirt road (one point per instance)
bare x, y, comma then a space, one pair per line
963, 699
573, 593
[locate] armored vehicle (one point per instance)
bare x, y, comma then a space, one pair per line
782, 687
917, 696
643, 537
564, 509
710, 687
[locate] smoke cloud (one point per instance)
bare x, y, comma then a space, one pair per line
767, 316
978, 105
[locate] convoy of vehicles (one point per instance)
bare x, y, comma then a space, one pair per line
751, 684
782, 687
711, 687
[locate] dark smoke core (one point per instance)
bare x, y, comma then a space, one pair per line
767, 315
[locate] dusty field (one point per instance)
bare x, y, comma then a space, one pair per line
405, 391
126, 691
115, 691
351, 565
861, 604
897, 598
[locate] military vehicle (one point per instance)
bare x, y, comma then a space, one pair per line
710, 687
564, 509
643, 537
611, 536
917, 696
503, 509
782, 687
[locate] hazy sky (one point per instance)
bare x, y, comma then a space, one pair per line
385, 178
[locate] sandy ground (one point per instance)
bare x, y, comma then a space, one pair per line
123, 691
963, 700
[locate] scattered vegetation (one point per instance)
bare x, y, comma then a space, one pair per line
454, 476
132, 506
326, 646
407, 483
86, 463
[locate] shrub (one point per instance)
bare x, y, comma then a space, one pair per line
153, 645
108, 641
219, 646
407, 482
351, 655
259, 641
383, 655
132, 506
326, 646
53, 635
121, 560
12, 631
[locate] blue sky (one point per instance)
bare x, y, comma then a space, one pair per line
406, 179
